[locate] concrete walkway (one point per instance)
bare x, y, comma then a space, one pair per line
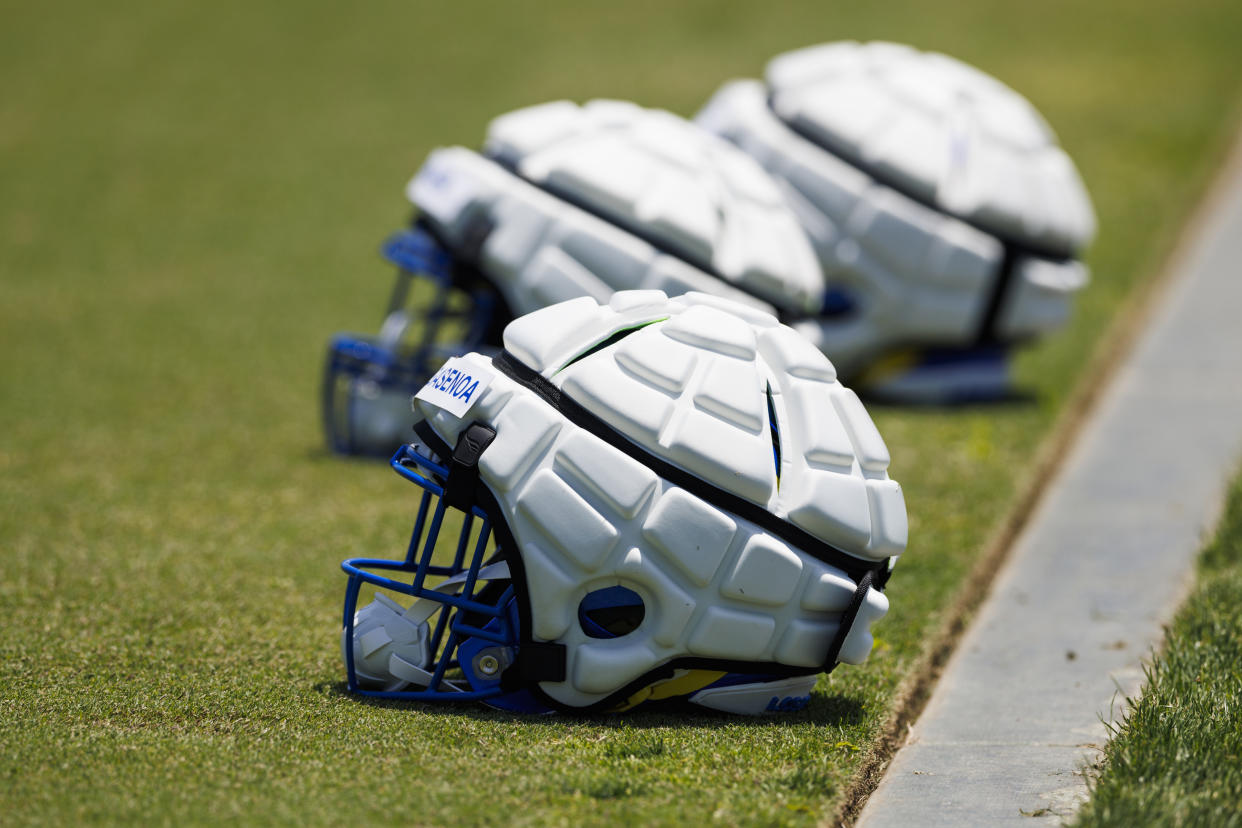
1103, 563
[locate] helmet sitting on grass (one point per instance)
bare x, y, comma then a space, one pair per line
947, 220
564, 201
641, 500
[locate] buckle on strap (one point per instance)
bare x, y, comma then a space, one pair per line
463, 470
847, 620
882, 573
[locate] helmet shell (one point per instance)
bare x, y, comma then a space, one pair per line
744, 406
572, 200
942, 132
922, 183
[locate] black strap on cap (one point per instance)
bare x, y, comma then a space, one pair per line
847, 622
882, 574
988, 332
463, 470
428, 437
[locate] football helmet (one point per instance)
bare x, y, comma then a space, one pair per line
564, 201
646, 499
946, 218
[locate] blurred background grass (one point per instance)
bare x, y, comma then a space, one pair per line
191, 199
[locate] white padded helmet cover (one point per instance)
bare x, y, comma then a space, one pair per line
952, 142
657, 174
539, 249
688, 384
949, 133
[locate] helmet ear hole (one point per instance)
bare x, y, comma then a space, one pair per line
611, 612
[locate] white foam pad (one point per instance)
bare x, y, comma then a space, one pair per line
385, 635
780, 696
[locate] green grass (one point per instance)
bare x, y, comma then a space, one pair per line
191, 196
1176, 758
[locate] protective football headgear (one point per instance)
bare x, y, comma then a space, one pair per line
648, 499
566, 201
946, 218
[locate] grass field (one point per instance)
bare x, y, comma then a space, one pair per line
191, 197
1177, 757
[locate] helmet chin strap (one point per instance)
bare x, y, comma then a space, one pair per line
385, 627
